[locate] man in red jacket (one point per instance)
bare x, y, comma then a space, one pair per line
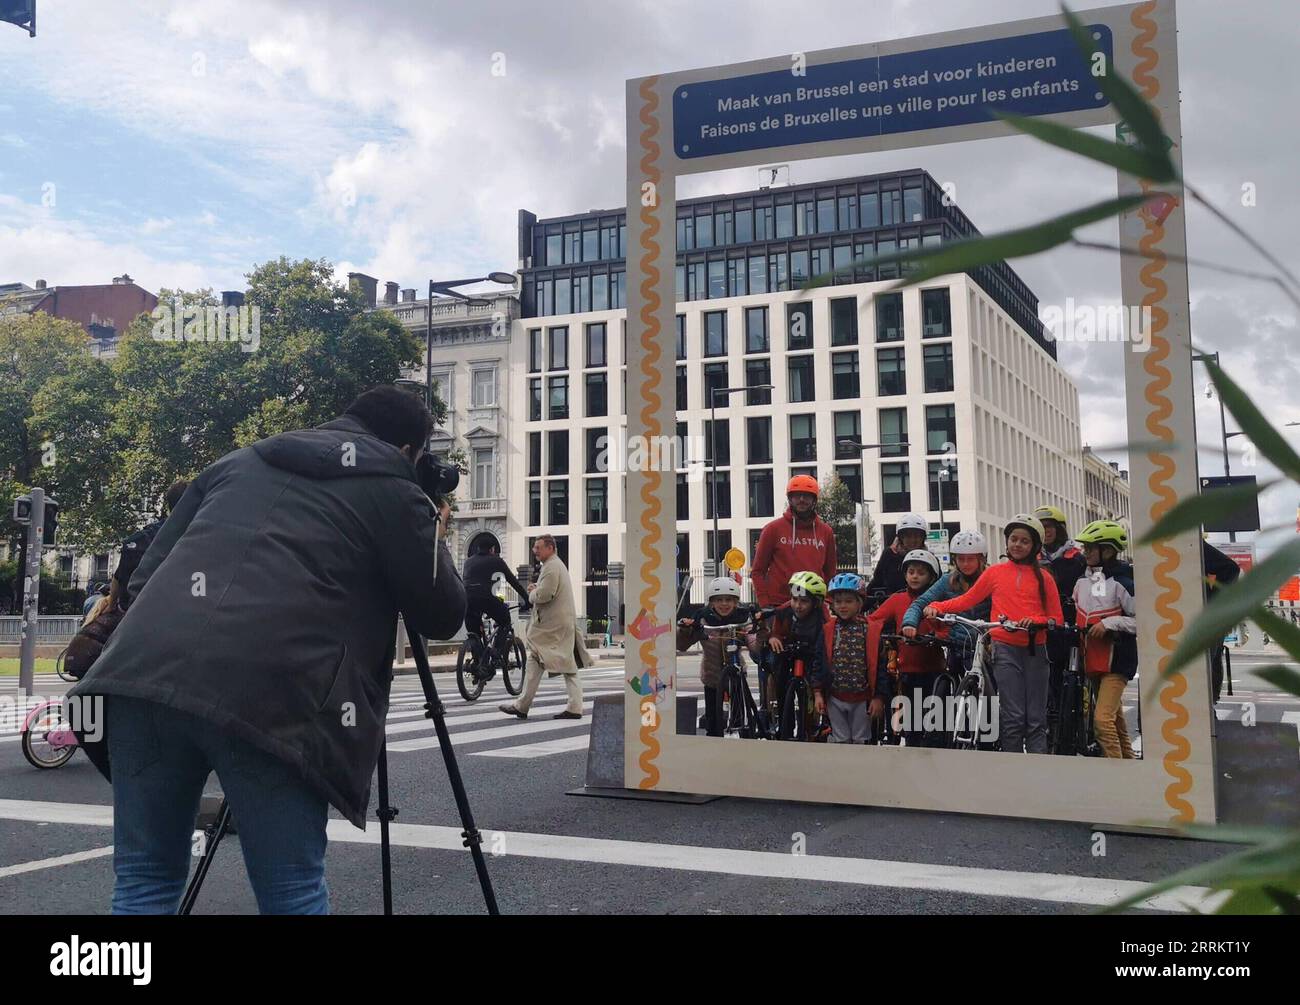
797, 541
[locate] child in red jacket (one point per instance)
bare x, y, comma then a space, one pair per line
1026, 594
918, 666
848, 691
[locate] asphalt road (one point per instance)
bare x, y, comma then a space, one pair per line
559, 853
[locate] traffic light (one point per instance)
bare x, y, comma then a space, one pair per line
51, 523
23, 510
21, 13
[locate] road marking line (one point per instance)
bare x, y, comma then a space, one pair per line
475, 713
544, 749
1055, 888
54, 863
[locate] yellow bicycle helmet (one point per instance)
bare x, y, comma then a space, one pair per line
1104, 532
1050, 513
807, 584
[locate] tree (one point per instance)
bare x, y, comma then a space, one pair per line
836, 505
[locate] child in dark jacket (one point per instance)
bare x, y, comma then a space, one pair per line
848, 691
723, 608
801, 619
918, 666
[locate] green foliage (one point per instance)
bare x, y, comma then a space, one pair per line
836, 505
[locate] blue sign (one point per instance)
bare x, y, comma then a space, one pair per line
1040, 74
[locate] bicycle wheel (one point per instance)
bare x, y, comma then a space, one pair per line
794, 726
467, 661
733, 702
512, 673
965, 730
945, 686
58, 667
38, 750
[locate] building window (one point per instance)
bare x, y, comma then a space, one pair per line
723, 544
535, 400
758, 440
940, 428
844, 375
891, 207
760, 493
534, 455
825, 215
757, 273
848, 426
557, 501
844, 321
484, 473
534, 504
801, 378
534, 350
597, 439
683, 499
557, 452
891, 372
559, 348
913, 209
600, 292
799, 326
597, 394
803, 438
715, 378
951, 496
597, 503
596, 345
681, 336
848, 212
681, 389
757, 373
889, 317
851, 476
756, 337
894, 488
717, 278
893, 429
936, 313
558, 393
938, 367
723, 441
744, 226
721, 480
715, 333
483, 388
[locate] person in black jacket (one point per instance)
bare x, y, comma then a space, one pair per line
483, 570
259, 643
1224, 572
134, 547
887, 578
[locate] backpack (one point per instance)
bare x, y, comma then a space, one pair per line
88, 643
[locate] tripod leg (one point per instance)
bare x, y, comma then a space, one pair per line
473, 839
213, 834
386, 814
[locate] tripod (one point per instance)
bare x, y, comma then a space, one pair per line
434, 710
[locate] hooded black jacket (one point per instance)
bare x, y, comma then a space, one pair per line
268, 602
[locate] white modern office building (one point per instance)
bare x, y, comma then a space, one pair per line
951, 386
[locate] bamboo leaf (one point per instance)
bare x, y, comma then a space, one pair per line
1194, 511
1286, 634
1132, 160
1234, 604
1266, 439
1286, 902
1281, 676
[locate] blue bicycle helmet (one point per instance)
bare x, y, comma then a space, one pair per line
848, 581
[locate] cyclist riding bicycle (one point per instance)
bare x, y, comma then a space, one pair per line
485, 570
723, 608
800, 618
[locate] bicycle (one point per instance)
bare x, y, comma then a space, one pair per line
58, 667
1069, 724
478, 661
977, 688
792, 718
946, 684
47, 739
740, 714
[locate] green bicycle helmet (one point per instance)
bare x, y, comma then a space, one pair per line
1104, 532
807, 584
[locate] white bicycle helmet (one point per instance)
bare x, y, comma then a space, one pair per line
724, 586
911, 521
969, 542
924, 557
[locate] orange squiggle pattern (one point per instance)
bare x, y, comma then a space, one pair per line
1168, 561
652, 379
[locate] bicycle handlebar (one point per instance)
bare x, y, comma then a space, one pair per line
1005, 623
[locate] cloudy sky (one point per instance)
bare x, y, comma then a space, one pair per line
184, 141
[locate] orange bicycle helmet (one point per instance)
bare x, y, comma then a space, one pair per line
803, 483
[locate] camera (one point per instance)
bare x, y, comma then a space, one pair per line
435, 477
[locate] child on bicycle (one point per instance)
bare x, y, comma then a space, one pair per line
1103, 603
918, 666
723, 608
969, 550
801, 618
849, 690
1026, 594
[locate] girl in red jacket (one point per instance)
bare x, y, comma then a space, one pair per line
918, 666
1026, 594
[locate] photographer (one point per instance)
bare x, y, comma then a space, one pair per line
259, 645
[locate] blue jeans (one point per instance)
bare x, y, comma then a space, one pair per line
161, 758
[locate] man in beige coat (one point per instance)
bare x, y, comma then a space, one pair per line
553, 641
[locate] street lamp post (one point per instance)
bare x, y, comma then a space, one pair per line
851, 444
447, 288
941, 476
713, 447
